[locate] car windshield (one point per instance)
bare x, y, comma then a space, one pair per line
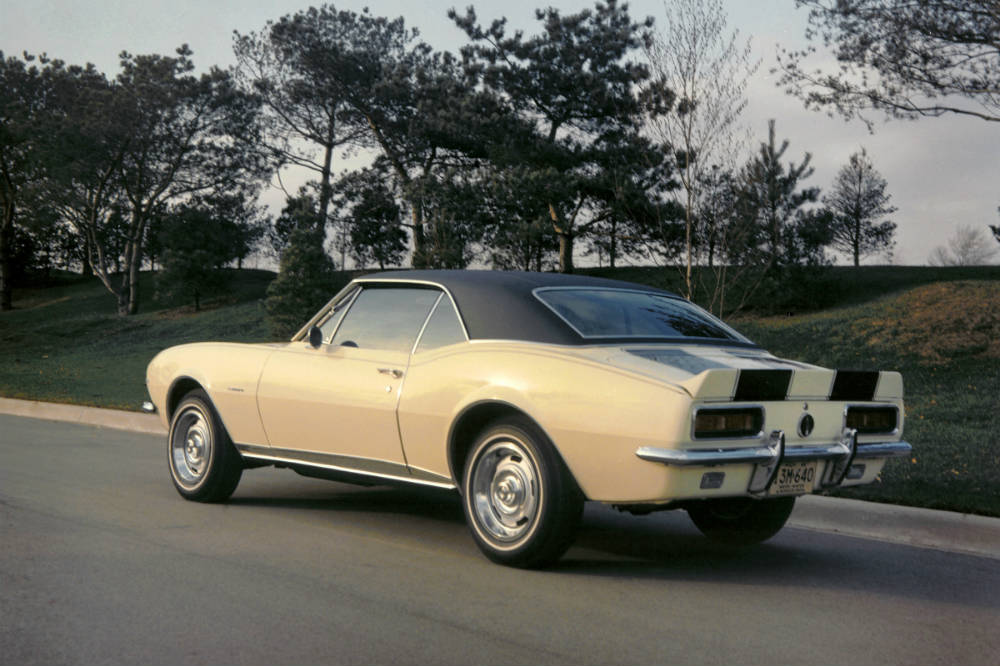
620, 313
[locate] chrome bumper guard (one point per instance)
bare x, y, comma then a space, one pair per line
148, 407
767, 459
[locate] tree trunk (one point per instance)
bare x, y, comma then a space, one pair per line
325, 191
133, 283
133, 262
565, 241
123, 299
6, 267
613, 247
857, 243
88, 267
565, 252
687, 232
416, 216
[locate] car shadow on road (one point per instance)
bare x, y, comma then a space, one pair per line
667, 546
663, 546
295, 492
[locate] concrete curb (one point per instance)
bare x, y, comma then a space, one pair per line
118, 419
924, 528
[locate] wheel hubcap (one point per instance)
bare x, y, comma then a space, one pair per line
190, 446
504, 490
194, 452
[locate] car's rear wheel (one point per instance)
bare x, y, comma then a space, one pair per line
741, 521
520, 501
204, 464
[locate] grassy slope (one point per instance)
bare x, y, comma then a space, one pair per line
936, 326
66, 344
945, 339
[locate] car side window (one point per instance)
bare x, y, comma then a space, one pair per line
385, 318
443, 328
329, 324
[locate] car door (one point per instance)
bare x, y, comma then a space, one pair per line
339, 401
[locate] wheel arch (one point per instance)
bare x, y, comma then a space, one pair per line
471, 421
178, 389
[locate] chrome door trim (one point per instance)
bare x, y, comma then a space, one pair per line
369, 467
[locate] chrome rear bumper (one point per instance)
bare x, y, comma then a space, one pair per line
765, 454
767, 459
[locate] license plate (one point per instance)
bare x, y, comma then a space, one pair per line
794, 479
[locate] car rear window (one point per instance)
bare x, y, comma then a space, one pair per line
620, 313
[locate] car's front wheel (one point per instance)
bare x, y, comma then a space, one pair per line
520, 501
741, 521
204, 464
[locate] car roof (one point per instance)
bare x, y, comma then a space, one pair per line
500, 305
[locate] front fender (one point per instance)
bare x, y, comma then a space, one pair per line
228, 372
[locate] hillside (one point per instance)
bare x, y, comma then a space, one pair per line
936, 326
66, 344
945, 339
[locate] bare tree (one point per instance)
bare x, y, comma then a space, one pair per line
708, 68
905, 58
859, 203
970, 246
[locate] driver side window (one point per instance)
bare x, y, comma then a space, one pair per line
329, 325
386, 318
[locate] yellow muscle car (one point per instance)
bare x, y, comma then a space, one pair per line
528, 393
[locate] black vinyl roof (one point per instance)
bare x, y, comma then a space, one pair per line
500, 305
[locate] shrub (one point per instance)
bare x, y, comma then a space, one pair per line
307, 278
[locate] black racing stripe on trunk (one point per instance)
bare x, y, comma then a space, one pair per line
854, 385
762, 385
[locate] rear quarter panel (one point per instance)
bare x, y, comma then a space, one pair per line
596, 415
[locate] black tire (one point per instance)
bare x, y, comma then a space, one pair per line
521, 503
741, 521
204, 464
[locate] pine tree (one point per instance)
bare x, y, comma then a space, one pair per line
859, 202
307, 279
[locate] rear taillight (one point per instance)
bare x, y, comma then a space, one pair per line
872, 420
728, 422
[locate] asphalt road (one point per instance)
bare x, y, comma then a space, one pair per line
102, 562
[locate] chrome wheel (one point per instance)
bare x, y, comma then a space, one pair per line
191, 446
520, 501
204, 464
505, 490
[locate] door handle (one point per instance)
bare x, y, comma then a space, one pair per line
396, 374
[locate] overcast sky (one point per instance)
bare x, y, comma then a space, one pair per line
942, 172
